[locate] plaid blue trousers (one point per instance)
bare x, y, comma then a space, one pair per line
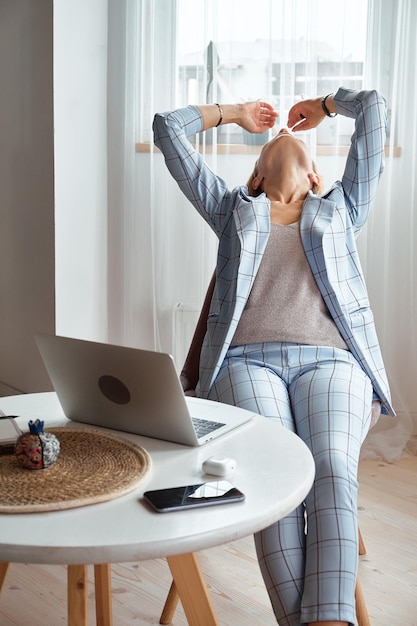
323, 395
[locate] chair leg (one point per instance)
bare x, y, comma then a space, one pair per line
3, 571
361, 611
362, 549
362, 615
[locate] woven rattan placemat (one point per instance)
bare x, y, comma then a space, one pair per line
92, 467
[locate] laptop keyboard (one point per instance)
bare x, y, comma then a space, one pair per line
204, 427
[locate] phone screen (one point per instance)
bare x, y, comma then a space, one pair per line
193, 496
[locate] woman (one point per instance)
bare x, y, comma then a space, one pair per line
290, 333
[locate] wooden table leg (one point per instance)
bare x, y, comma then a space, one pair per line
77, 595
102, 581
192, 590
3, 571
170, 605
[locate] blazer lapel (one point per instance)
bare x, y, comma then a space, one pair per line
316, 218
253, 228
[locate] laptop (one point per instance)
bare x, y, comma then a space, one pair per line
132, 390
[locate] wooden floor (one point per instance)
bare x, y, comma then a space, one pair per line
36, 595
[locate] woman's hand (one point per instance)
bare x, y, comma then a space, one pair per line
257, 117
307, 114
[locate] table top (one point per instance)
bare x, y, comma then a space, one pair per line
274, 469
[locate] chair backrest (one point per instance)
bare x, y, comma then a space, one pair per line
190, 371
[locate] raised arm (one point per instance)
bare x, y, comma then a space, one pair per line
366, 157
204, 189
255, 117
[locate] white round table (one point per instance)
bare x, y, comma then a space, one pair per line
274, 469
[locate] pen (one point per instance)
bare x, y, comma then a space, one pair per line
7, 417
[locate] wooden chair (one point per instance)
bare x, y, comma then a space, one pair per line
189, 378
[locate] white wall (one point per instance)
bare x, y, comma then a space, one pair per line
26, 192
80, 102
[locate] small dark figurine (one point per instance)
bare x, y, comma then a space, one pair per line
36, 449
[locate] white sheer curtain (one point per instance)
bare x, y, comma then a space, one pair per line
166, 54
388, 247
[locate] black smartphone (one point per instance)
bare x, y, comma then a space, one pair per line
193, 496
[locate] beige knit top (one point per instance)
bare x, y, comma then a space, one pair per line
285, 303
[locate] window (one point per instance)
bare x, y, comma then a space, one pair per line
195, 51
234, 50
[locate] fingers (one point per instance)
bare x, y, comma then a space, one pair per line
306, 114
297, 117
267, 108
301, 121
303, 124
267, 114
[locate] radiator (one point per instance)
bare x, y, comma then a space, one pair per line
184, 321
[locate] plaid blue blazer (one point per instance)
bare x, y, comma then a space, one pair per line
329, 226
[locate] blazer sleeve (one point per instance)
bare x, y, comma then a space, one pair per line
366, 157
204, 189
